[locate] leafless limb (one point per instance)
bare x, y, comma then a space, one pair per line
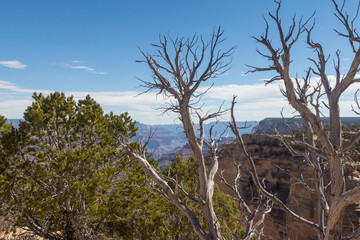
261, 209
357, 103
319, 146
179, 66
143, 144
166, 190
256, 180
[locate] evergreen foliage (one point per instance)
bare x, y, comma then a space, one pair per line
63, 176
185, 172
62, 173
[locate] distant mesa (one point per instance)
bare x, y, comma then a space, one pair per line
284, 125
169, 139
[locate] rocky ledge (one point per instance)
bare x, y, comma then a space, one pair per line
280, 170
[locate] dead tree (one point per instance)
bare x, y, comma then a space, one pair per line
179, 67
320, 147
254, 215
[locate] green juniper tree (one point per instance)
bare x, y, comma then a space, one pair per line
185, 171
62, 175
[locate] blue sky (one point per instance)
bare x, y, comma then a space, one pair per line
90, 46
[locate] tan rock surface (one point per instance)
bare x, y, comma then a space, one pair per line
281, 171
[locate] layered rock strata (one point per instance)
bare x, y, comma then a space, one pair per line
280, 172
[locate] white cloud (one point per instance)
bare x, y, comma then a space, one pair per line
243, 92
82, 67
12, 87
14, 100
254, 102
258, 110
153, 116
13, 64
14, 108
101, 73
123, 98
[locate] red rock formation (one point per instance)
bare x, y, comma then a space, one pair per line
275, 164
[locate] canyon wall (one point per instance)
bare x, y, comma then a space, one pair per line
281, 171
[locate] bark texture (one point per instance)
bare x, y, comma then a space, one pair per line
309, 100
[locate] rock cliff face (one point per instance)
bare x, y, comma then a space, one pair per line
275, 164
168, 139
268, 125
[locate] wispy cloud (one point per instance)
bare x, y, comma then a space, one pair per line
13, 64
14, 100
12, 87
243, 92
255, 102
14, 108
82, 67
101, 73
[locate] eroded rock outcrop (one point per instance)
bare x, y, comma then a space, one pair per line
281, 171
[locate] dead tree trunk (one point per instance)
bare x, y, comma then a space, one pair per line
178, 79
308, 100
206, 177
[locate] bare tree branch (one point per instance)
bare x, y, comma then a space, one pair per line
320, 146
